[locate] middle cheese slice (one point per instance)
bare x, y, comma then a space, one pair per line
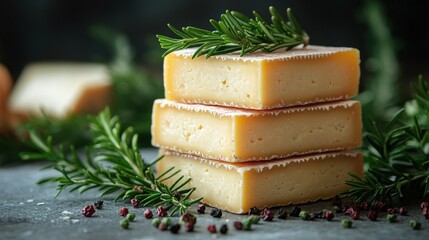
237, 135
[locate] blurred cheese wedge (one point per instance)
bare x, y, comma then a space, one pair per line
5, 87
238, 135
236, 187
59, 90
263, 80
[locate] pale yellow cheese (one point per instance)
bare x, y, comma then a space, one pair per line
238, 187
234, 135
263, 80
5, 87
59, 90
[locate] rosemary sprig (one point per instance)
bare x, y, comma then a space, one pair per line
397, 154
112, 164
237, 32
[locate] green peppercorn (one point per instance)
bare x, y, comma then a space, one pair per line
247, 225
415, 225
166, 221
304, 215
254, 219
346, 223
124, 223
156, 222
392, 218
130, 217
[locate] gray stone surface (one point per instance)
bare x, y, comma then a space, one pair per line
29, 211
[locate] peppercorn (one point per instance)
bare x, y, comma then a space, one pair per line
88, 211
167, 221
238, 225
304, 215
98, 204
267, 215
130, 217
148, 213
392, 210
415, 225
336, 201
123, 211
426, 213
160, 211
295, 211
189, 227
403, 211
247, 225
355, 215
155, 222
175, 228
138, 188
338, 209
380, 205
216, 213
319, 214
134, 202
201, 208
283, 213
124, 223
346, 223
329, 215
424, 205
212, 228
223, 229
392, 218
188, 217
254, 211
372, 214
313, 216
363, 206
162, 226
254, 219
349, 211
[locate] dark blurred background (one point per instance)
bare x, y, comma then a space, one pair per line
59, 29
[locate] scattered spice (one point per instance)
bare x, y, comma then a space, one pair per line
148, 213
167, 221
189, 227
313, 216
424, 205
380, 206
162, 226
216, 213
124, 223
223, 229
346, 223
304, 215
363, 206
295, 211
372, 214
319, 214
161, 212
212, 228
201, 208
355, 215
123, 211
88, 211
134, 202
426, 213
392, 210
403, 211
254, 219
98, 204
130, 217
283, 213
254, 211
415, 225
156, 222
329, 215
238, 225
247, 225
175, 228
392, 218
138, 188
188, 217
336, 201
267, 215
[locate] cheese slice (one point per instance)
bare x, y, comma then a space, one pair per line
263, 80
5, 87
60, 89
240, 186
234, 135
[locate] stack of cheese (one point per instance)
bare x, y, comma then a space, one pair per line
265, 129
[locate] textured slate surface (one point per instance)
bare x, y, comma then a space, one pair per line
29, 211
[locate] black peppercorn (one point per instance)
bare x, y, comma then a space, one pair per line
216, 213
254, 211
295, 211
336, 201
267, 214
283, 213
98, 204
175, 228
224, 229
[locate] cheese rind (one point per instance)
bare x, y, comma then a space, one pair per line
60, 89
236, 187
263, 80
236, 135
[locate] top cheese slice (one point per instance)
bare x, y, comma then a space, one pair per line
59, 90
263, 80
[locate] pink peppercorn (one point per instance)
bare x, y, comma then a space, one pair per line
148, 213
329, 215
160, 211
189, 227
212, 228
372, 214
134, 202
238, 225
123, 211
403, 211
88, 211
267, 214
201, 208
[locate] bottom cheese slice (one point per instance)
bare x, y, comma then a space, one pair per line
238, 187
